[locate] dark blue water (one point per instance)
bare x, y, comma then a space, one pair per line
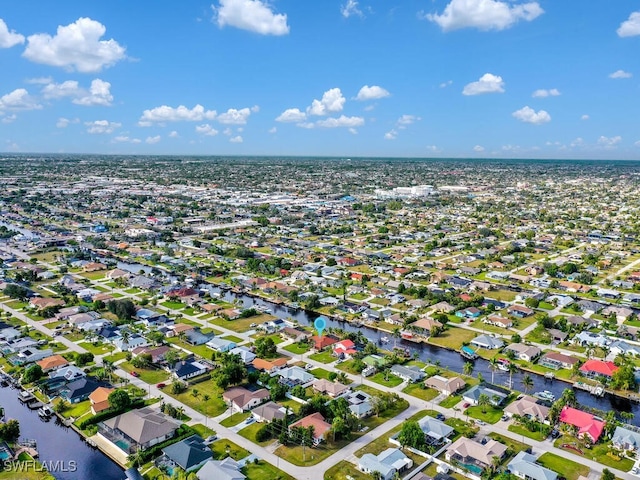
59, 445
451, 360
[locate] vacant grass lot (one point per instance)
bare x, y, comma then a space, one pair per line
235, 419
492, 414
344, 470
566, 468
147, 375
453, 338
323, 357
250, 434
264, 471
212, 407
419, 391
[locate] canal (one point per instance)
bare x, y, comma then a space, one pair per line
59, 446
448, 359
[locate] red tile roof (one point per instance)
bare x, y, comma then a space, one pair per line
586, 423
322, 342
600, 367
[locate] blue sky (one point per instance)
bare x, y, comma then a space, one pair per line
420, 78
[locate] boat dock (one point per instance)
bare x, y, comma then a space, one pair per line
468, 353
594, 390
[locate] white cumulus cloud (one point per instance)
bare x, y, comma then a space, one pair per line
102, 126
19, 99
98, 94
206, 129
341, 121
332, 101
236, 139
620, 74
153, 140
542, 93
372, 92
405, 120
69, 88
76, 46
609, 142
484, 14
125, 139
478, 149
234, 117
529, 115
252, 15
291, 115
164, 113
631, 26
488, 83
584, 117
350, 8
63, 122
391, 135
9, 38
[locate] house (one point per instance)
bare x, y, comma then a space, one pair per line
79, 389
246, 355
77, 319
344, 348
598, 369
295, 334
578, 321
29, 355
187, 295
446, 386
99, 399
621, 313
40, 303
326, 387
588, 425
435, 431
184, 370
621, 347
240, 399
269, 366
520, 311
178, 328
227, 469
555, 360
488, 342
625, 439
496, 395
321, 342
585, 339
408, 374
292, 376
189, 454
556, 335
360, 404
157, 353
388, 463
52, 362
529, 407
524, 466
315, 420
134, 341
467, 452
267, 412
196, 337
141, 428
423, 326
68, 372
528, 353
498, 321
469, 312
219, 344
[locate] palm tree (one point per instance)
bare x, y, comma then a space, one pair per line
569, 397
125, 335
107, 368
483, 401
493, 366
511, 367
396, 335
467, 368
527, 382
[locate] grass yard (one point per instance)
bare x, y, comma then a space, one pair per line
240, 324
307, 456
347, 367
297, 348
147, 375
390, 380
382, 442
461, 427
514, 445
520, 430
264, 471
200, 350
250, 434
418, 390
492, 414
323, 357
220, 450
212, 407
97, 349
453, 338
235, 419
233, 338
168, 304
344, 470
115, 357
203, 431
566, 468
26, 469
451, 401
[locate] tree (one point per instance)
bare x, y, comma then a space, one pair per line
266, 347
171, 357
32, 373
119, 399
493, 366
527, 382
467, 368
624, 378
607, 475
411, 435
10, 431
484, 401
16, 291
532, 302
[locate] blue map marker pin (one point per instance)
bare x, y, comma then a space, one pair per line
320, 324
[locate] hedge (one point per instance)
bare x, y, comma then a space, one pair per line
136, 403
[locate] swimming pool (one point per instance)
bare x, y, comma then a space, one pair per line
124, 446
472, 468
4, 454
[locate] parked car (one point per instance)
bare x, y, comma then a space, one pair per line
466, 405
135, 374
440, 417
211, 439
480, 422
161, 385
253, 325
505, 418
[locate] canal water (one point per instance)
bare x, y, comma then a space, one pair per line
60, 447
448, 359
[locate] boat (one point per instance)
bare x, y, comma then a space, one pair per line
384, 339
468, 353
45, 411
25, 397
545, 395
549, 376
503, 364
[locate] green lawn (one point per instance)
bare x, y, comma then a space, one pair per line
566, 468
388, 380
168, 304
307, 456
492, 414
461, 427
220, 450
297, 348
264, 471
97, 349
200, 350
240, 324
451, 401
28, 469
382, 442
212, 407
520, 430
453, 338
233, 338
418, 390
250, 433
599, 454
344, 470
235, 419
203, 431
514, 445
147, 375
323, 357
